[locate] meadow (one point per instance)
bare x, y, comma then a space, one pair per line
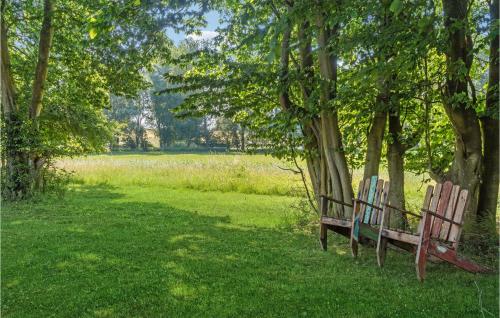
206, 235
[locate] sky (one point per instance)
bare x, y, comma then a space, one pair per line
208, 32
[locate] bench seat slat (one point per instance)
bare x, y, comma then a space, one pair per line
401, 236
336, 221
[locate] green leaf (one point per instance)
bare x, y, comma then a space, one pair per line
396, 7
137, 3
92, 33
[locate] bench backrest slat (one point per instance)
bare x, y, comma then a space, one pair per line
441, 209
371, 199
450, 211
456, 230
384, 200
377, 201
426, 205
359, 196
362, 206
435, 199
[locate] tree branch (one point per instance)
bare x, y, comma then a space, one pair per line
46, 34
8, 90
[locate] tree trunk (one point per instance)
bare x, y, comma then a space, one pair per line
8, 89
243, 140
376, 134
395, 166
17, 178
310, 127
16, 182
331, 136
206, 132
488, 194
467, 162
374, 144
42, 67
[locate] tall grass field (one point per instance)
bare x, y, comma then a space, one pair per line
207, 235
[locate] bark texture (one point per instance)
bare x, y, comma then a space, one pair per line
395, 166
488, 195
23, 161
16, 161
466, 168
42, 67
375, 140
331, 136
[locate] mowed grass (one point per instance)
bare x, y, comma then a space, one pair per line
124, 243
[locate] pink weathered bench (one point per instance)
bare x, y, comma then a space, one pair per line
439, 229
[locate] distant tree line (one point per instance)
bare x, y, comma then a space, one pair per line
150, 115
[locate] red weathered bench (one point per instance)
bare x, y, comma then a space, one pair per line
439, 229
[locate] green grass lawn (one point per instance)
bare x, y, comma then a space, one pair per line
205, 236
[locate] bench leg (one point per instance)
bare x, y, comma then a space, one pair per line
420, 266
354, 245
451, 256
381, 251
323, 236
423, 247
468, 265
381, 242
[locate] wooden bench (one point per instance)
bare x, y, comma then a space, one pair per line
362, 224
438, 232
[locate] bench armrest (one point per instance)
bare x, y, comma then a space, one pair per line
402, 211
441, 217
336, 201
368, 204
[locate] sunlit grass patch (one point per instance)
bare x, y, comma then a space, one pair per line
253, 174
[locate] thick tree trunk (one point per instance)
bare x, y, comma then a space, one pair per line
376, 134
331, 136
374, 145
395, 166
16, 179
329, 149
313, 158
37, 160
467, 163
8, 89
488, 194
310, 127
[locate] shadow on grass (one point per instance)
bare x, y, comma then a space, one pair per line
98, 254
